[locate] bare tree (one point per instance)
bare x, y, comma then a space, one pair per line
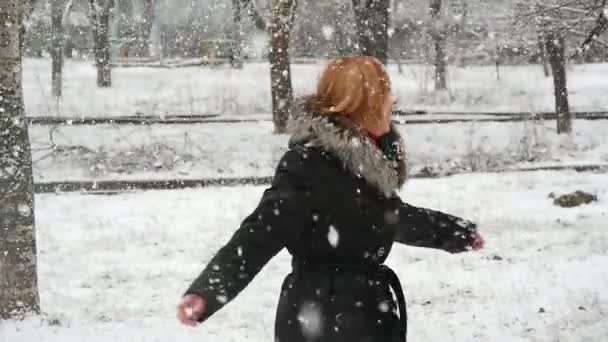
542, 50
283, 12
372, 19
237, 50
100, 15
601, 25
556, 50
439, 37
145, 28
148, 22
57, 43
18, 279
555, 20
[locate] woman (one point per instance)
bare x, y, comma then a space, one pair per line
333, 205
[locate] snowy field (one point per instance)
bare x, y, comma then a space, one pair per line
112, 267
138, 152
220, 90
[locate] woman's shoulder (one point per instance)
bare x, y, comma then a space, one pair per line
303, 161
305, 155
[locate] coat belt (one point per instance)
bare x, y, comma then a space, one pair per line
371, 270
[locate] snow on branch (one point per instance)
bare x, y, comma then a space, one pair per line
585, 34
566, 8
539, 9
600, 26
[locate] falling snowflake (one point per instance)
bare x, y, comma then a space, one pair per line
383, 306
24, 209
311, 320
328, 31
333, 237
391, 216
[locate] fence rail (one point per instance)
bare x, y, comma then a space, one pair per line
401, 117
119, 186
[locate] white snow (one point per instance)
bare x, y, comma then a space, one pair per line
251, 150
111, 268
224, 91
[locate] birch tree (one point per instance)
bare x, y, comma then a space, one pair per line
18, 279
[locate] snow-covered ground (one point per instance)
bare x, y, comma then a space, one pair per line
251, 150
220, 90
112, 267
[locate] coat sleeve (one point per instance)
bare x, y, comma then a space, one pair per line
428, 228
277, 221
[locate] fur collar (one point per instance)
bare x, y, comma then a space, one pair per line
344, 140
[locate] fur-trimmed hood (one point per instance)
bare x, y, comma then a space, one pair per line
340, 136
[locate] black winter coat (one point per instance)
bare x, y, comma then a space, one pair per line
332, 204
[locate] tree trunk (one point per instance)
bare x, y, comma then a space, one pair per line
497, 60
144, 29
237, 50
101, 33
396, 54
555, 45
439, 43
155, 40
439, 38
542, 50
18, 279
280, 70
372, 20
57, 47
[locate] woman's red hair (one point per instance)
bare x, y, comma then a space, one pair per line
354, 87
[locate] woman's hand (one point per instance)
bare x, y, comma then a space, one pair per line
478, 242
190, 308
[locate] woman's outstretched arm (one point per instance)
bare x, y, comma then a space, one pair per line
429, 228
278, 220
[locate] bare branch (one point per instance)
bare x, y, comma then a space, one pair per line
541, 11
584, 34
259, 21
567, 27
601, 26
567, 8
66, 11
